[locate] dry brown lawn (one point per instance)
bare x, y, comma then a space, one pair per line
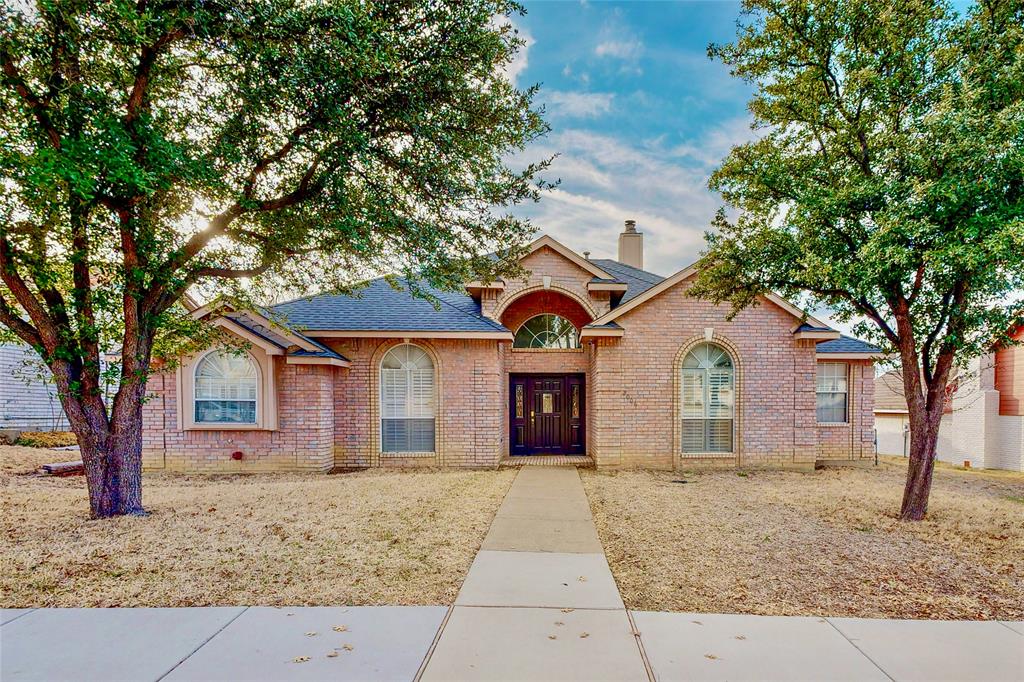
824, 543
371, 537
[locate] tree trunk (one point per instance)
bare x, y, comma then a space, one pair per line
924, 437
111, 447
114, 476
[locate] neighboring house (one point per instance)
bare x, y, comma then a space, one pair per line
28, 397
984, 421
582, 357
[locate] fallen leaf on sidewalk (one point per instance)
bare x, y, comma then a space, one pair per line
332, 654
711, 657
558, 622
300, 659
582, 578
340, 628
584, 635
568, 610
311, 633
347, 647
740, 637
552, 637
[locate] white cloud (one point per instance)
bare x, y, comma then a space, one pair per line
606, 180
579, 104
629, 50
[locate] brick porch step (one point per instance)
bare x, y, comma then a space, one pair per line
580, 461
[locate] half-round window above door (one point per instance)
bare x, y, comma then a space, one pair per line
547, 331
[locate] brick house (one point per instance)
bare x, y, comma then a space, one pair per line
584, 357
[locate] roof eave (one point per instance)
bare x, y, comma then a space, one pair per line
316, 360
407, 334
818, 335
868, 355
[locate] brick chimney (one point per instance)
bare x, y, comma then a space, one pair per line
631, 246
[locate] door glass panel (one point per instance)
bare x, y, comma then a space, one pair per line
519, 401
547, 403
575, 401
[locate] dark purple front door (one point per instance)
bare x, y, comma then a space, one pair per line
546, 414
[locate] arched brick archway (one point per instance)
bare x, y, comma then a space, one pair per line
544, 301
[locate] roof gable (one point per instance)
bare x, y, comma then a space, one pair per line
801, 316
570, 255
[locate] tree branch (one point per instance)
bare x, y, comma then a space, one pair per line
10, 318
39, 110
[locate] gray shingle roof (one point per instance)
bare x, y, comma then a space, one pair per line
847, 344
637, 280
380, 307
263, 331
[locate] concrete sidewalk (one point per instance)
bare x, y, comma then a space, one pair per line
539, 603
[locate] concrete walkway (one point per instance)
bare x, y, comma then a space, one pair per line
539, 603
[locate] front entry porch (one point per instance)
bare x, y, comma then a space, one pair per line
578, 461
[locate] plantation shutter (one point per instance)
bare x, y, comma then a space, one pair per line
407, 401
707, 401
693, 410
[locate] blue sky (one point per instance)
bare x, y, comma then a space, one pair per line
639, 116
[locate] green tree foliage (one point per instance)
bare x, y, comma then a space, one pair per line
151, 147
888, 183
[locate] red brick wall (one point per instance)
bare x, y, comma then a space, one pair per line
856, 438
543, 301
635, 385
303, 440
469, 429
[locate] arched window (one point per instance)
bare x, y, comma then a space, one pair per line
226, 386
708, 398
407, 400
547, 331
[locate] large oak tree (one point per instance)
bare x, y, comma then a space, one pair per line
152, 146
888, 184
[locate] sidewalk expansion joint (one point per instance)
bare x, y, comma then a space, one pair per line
203, 643
862, 652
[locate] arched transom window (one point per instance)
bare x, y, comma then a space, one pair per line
708, 398
226, 386
407, 400
547, 331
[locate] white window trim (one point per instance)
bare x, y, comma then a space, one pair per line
577, 348
266, 395
225, 424
845, 393
380, 407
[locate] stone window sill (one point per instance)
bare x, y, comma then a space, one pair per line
398, 455
707, 455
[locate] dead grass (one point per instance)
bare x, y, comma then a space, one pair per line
16, 460
47, 439
370, 537
826, 543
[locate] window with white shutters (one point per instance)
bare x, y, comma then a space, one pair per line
833, 391
226, 385
707, 398
407, 400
